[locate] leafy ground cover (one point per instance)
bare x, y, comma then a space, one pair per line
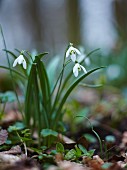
81, 149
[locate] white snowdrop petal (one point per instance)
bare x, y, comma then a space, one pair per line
15, 62
20, 59
75, 70
24, 64
83, 69
67, 53
78, 65
75, 73
72, 49
77, 51
73, 57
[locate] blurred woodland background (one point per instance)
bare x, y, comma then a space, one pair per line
49, 25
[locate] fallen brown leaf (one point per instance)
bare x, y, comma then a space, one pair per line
3, 136
67, 165
14, 150
98, 159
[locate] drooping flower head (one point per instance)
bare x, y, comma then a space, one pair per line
72, 52
20, 60
78, 67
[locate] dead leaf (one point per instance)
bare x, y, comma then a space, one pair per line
124, 138
65, 139
26, 164
121, 164
3, 136
14, 150
85, 160
59, 157
8, 158
115, 166
116, 158
67, 165
95, 165
98, 159
10, 118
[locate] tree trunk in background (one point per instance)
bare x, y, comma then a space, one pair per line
1, 3
73, 21
121, 19
97, 26
31, 17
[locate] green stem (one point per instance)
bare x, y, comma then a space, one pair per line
98, 137
99, 140
24, 144
59, 77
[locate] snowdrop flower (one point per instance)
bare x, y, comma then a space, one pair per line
20, 60
78, 67
72, 53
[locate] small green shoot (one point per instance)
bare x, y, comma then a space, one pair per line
98, 137
23, 135
59, 148
74, 154
79, 151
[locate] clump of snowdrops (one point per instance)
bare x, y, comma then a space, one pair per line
44, 102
